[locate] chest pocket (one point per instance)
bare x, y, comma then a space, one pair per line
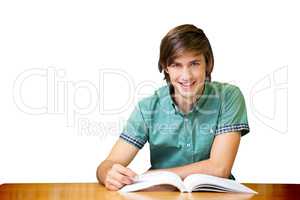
204, 139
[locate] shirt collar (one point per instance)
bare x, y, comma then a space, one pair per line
169, 104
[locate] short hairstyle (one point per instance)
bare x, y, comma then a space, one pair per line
186, 37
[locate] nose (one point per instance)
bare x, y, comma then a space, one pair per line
186, 74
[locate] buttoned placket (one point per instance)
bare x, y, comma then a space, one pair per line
188, 136
188, 131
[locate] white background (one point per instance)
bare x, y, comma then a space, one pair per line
44, 132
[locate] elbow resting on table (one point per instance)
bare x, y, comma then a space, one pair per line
223, 172
220, 170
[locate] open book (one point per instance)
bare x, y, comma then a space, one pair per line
193, 182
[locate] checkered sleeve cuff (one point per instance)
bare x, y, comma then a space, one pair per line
131, 140
243, 128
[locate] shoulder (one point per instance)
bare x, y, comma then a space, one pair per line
223, 86
223, 89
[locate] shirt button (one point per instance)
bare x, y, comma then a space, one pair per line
186, 119
188, 145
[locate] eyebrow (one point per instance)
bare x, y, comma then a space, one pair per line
196, 60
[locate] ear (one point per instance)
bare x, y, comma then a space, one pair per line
166, 70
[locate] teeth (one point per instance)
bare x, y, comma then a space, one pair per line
186, 84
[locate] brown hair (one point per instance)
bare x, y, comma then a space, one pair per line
182, 38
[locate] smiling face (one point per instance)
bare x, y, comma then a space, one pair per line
187, 75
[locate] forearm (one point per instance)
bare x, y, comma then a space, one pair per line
222, 156
204, 167
102, 170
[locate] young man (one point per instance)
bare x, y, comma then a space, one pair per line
193, 125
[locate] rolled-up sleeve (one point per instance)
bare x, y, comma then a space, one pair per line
233, 112
135, 131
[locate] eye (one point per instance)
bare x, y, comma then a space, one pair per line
194, 64
174, 65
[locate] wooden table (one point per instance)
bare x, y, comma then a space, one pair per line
87, 191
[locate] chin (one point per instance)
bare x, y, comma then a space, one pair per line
186, 94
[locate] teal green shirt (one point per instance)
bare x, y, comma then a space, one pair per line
178, 139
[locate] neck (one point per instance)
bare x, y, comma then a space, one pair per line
186, 104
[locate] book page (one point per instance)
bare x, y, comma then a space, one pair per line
150, 179
195, 181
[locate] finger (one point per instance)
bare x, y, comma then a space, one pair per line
122, 178
117, 175
126, 171
115, 183
111, 187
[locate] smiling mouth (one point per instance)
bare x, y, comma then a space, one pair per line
187, 85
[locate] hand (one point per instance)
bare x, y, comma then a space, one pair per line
118, 176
